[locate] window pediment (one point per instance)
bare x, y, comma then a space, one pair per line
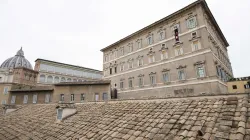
130, 59
122, 79
199, 63
181, 67
163, 48
141, 75
152, 73
149, 34
140, 57
151, 52
131, 78
165, 70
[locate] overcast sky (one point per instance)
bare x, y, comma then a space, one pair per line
74, 31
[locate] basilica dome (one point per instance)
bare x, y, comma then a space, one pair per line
17, 61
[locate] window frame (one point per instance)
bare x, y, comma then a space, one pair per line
194, 22
82, 97
141, 81
193, 45
62, 97
234, 87
152, 79
25, 100
180, 50
184, 75
13, 101
150, 39
5, 90
130, 83
34, 99
72, 97
163, 77
198, 72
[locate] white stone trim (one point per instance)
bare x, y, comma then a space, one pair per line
188, 55
175, 85
160, 42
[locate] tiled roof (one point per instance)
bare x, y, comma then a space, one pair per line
97, 82
216, 118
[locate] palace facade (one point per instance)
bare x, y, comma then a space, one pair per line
183, 54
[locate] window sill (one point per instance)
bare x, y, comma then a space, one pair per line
182, 81
167, 83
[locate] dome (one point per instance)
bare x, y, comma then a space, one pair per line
17, 61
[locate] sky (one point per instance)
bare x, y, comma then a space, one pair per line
74, 31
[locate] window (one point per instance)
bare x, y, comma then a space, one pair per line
59, 114
42, 79
110, 71
151, 58
82, 97
130, 64
152, 79
3, 102
34, 98
191, 23
165, 77
115, 69
164, 55
122, 67
105, 96
13, 99
96, 96
150, 39
178, 51
72, 97
234, 86
62, 97
122, 51
0, 79
200, 71
25, 99
176, 31
110, 56
130, 83
139, 45
218, 71
140, 62
116, 52
47, 98
181, 75
247, 86
141, 82
106, 58
121, 85
161, 35
130, 47
5, 90
195, 45
194, 34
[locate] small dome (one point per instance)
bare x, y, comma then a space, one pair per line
17, 61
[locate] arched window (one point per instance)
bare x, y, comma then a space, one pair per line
74, 80
56, 80
42, 79
69, 80
63, 79
49, 79
79, 80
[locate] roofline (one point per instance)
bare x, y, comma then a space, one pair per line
67, 64
105, 82
26, 69
30, 90
203, 3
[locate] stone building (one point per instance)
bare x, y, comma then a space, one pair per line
239, 85
183, 54
65, 92
13, 71
54, 72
